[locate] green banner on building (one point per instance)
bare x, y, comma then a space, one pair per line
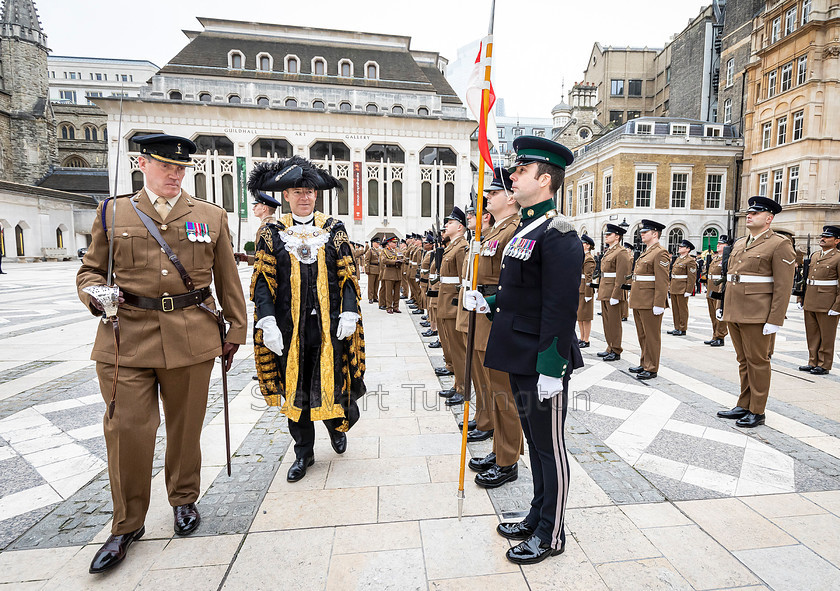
242, 182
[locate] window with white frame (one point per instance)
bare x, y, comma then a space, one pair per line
236, 60
713, 131
345, 69
730, 71
778, 183
790, 20
714, 190
608, 191
644, 189
517, 131
787, 77
67, 96
644, 128
539, 132
801, 70
776, 29
798, 122
727, 111
372, 71
569, 198
292, 65
771, 84
675, 238
766, 135
584, 197
806, 11
781, 130
793, 184
762, 184
679, 189
319, 66
679, 129
265, 62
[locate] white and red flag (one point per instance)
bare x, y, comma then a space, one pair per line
479, 81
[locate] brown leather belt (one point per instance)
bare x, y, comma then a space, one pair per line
168, 303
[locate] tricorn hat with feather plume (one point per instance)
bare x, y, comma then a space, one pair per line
290, 173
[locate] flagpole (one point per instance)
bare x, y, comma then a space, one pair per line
474, 253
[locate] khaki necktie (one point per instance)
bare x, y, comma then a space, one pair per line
162, 207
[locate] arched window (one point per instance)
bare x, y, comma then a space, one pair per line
75, 162
396, 198
265, 62
227, 192
291, 103
343, 198
262, 101
439, 155
397, 110
136, 181
384, 153
371, 108
345, 106
318, 104
132, 147
174, 95
104, 133
68, 132
91, 133
268, 147
205, 97
426, 199
372, 71
423, 111
200, 186
234, 98
345, 68
373, 197
329, 150
710, 239
213, 143
236, 61
292, 64
319, 66
675, 236
19, 241
59, 238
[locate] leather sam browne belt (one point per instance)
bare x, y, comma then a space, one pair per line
168, 303
749, 278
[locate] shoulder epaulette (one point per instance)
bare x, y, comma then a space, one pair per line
561, 224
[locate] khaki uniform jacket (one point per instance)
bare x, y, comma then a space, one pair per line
645, 295
489, 269
390, 265
616, 260
372, 261
586, 277
425, 266
152, 338
713, 275
451, 266
684, 265
823, 267
770, 255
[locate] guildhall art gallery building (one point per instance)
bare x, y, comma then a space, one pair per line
378, 115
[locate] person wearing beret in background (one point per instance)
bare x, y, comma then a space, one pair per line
758, 287
683, 279
586, 299
822, 302
616, 265
169, 336
308, 336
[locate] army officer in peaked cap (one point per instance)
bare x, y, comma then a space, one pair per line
586, 304
758, 287
169, 335
683, 280
822, 302
533, 339
616, 265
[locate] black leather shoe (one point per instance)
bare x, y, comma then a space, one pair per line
515, 531
187, 519
583, 344
735, 413
645, 375
678, 333
447, 393
442, 371
383, 307
750, 420
455, 400
476, 435
429, 333
624, 319
417, 311
603, 353
409, 302
470, 427
435, 345
637, 369
425, 324
298, 469
424, 317
611, 357
482, 464
114, 550
709, 342
819, 371
497, 475
532, 551
717, 343
806, 367
338, 440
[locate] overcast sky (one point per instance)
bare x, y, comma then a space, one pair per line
538, 44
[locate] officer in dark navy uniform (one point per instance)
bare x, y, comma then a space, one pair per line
533, 337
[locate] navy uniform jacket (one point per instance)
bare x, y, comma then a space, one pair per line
535, 310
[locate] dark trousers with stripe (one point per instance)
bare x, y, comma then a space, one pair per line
542, 424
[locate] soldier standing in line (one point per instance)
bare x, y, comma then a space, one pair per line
616, 264
390, 269
649, 297
822, 303
714, 285
624, 304
586, 303
454, 346
683, 279
372, 269
758, 288
432, 296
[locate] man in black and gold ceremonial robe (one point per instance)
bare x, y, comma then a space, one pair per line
308, 336
533, 339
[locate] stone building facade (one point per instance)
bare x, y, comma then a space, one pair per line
577, 123
735, 55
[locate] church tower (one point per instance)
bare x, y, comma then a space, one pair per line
28, 141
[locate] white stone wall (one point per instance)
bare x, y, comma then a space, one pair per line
39, 217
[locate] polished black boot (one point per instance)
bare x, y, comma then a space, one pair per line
443, 371
532, 551
750, 420
482, 464
477, 435
455, 400
187, 519
470, 427
637, 369
497, 475
717, 343
447, 393
645, 375
298, 469
338, 440
515, 531
114, 550
735, 413
611, 357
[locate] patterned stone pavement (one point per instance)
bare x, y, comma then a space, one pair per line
663, 495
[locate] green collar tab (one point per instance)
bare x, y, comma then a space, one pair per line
539, 209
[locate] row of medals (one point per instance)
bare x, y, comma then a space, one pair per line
198, 232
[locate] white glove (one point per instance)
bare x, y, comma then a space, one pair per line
769, 329
657, 311
613, 301
688, 295
473, 300
587, 300
548, 387
719, 314
800, 307
833, 313
346, 324
272, 337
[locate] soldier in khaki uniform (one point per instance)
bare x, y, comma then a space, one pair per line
624, 300
390, 269
168, 339
615, 267
423, 283
586, 293
683, 280
758, 288
432, 293
714, 285
822, 302
454, 346
371, 261
649, 297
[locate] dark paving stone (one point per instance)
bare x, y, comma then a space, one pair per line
689, 414
695, 451
75, 418
96, 446
807, 479
680, 491
600, 425
18, 475
11, 529
611, 397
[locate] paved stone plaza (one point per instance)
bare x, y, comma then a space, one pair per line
664, 495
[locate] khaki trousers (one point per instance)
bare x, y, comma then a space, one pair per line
483, 392
679, 305
508, 442
649, 328
389, 294
752, 348
624, 303
373, 286
455, 349
611, 317
130, 435
820, 331
719, 330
